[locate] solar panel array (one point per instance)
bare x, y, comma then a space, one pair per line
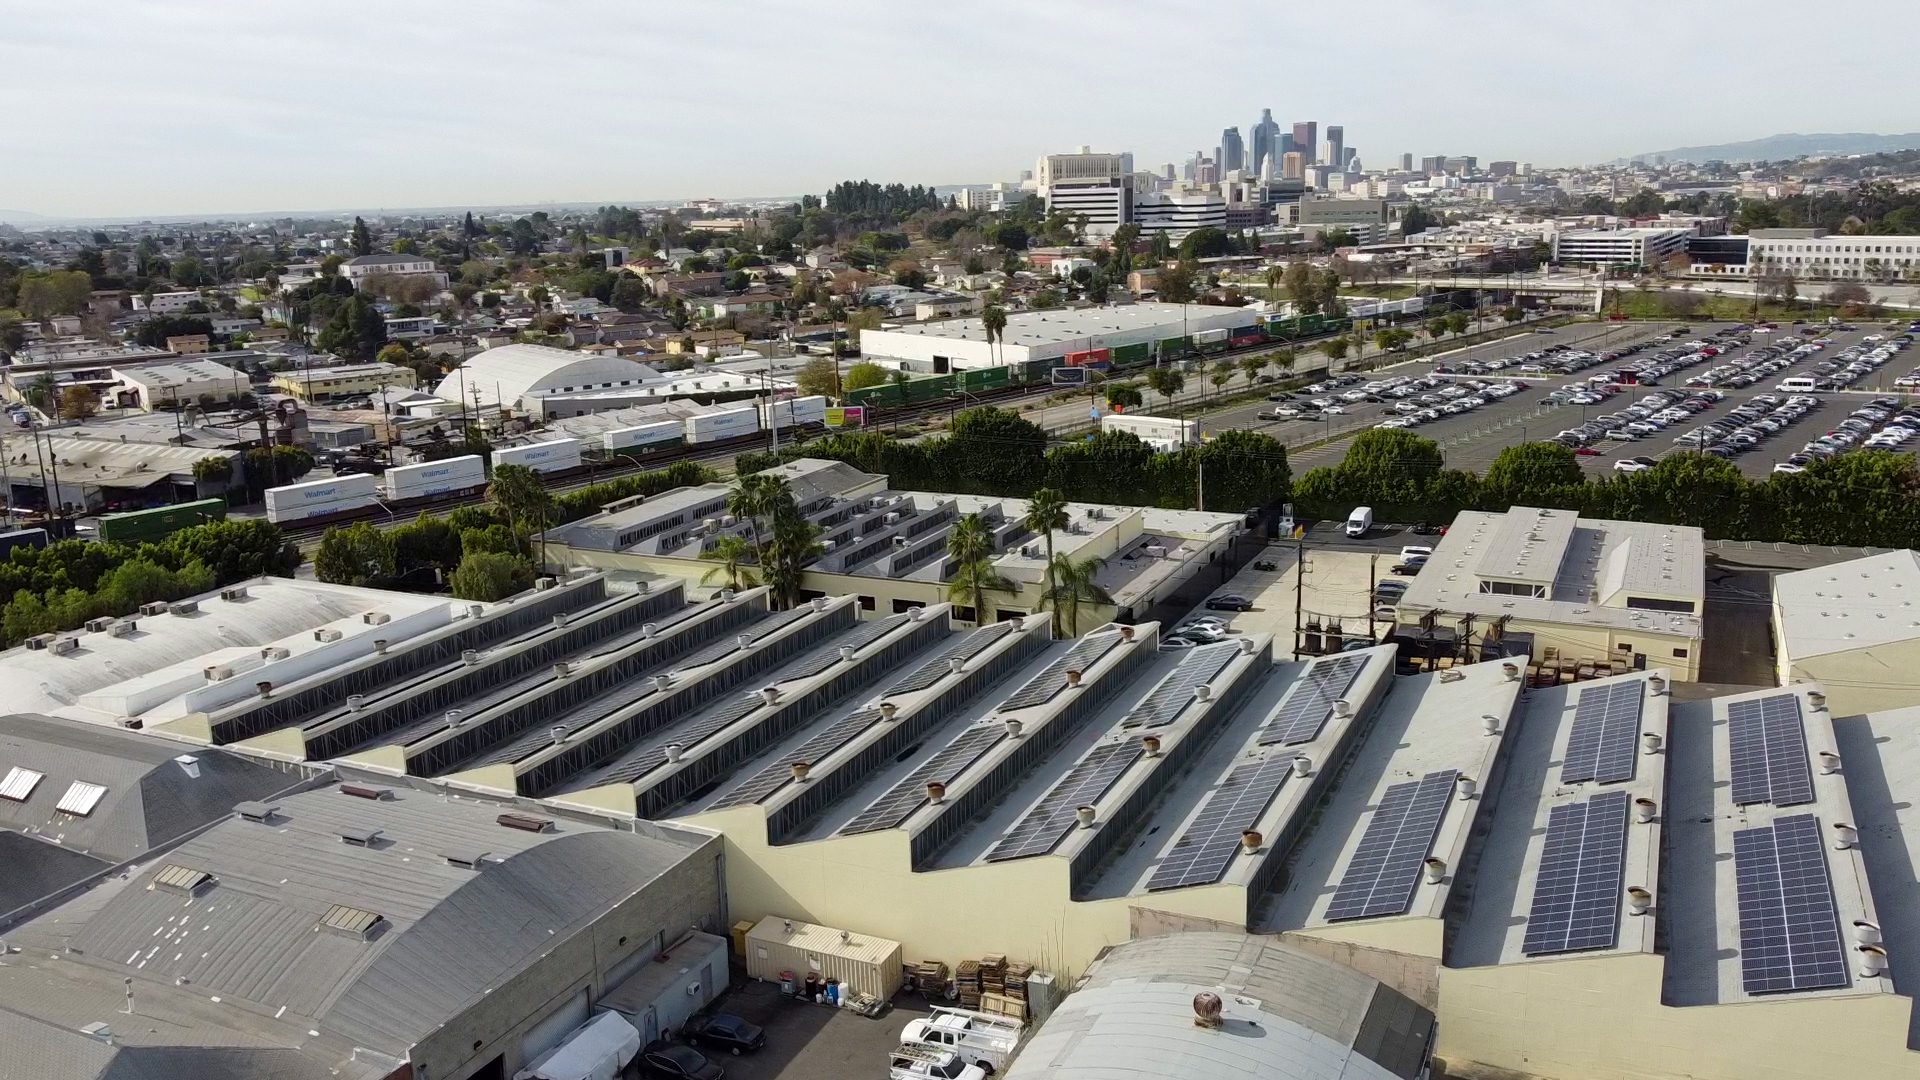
1606, 725
1053, 678
1769, 751
1789, 929
1043, 827
1168, 700
965, 649
778, 774
1310, 703
1386, 866
1207, 847
828, 655
1577, 892
730, 644
731, 712
907, 796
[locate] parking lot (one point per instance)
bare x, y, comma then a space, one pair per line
812, 1042
1473, 436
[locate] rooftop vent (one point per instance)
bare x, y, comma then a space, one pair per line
183, 607
525, 822
350, 922
41, 641
359, 835
1206, 1010
257, 811
366, 791
184, 880
63, 646
467, 858
274, 652
81, 798
238, 592
376, 618
99, 625
20, 783
326, 633
217, 672
158, 607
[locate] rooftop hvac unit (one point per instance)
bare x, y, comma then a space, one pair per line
376, 618
41, 641
710, 524
366, 791
828, 545
95, 626
326, 633
217, 673
1029, 551
183, 607
256, 811
893, 517
274, 652
728, 520
238, 592
525, 822
123, 628
156, 608
543, 584
877, 501
63, 646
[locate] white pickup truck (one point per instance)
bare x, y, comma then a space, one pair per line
985, 1039
913, 1062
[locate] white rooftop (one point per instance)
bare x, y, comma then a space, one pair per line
1052, 327
1850, 605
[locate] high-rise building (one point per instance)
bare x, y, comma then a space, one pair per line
1293, 166
1350, 160
1435, 165
1337, 146
1306, 139
1096, 187
1406, 162
1266, 142
1284, 145
1233, 152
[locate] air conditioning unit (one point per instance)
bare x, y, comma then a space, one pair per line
710, 524
543, 584
183, 607
326, 633
157, 608
63, 646
274, 652
828, 545
892, 518
376, 618
238, 592
217, 673
41, 641
1029, 551
729, 521
99, 625
123, 628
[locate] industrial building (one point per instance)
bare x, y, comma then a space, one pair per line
517, 376
958, 344
1619, 247
344, 380
171, 384
1562, 590
888, 548
1851, 627
90, 468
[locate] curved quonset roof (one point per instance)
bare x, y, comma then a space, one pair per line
510, 372
1288, 1014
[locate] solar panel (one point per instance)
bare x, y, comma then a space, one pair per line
1168, 700
824, 657
936, 668
727, 646
1789, 930
779, 773
1606, 724
1310, 702
907, 796
1576, 893
636, 767
1043, 827
81, 798
1053, 678
1207, 847
1386, 866
1769, 750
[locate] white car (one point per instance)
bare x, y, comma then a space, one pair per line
1335, 410
1412, 550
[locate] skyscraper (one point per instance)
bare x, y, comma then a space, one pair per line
1337, 147
1233, 153
1406, 162
1266, 141
1306, 139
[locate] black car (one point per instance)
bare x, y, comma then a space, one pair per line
679, 1063
724, 1031
1229, 602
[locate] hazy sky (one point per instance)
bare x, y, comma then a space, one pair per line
201, 106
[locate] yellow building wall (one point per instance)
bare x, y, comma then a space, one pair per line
1602, 643
1601, 1019
1413, 936
1863, 680
866, 884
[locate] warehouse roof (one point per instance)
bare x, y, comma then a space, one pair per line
1285, 1014
1851, 605
181, 373
1052, 327
102, 462
505, 374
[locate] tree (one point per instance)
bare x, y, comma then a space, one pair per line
1417, 219
356, 330
993, 319
429, 543
1274, 276
1254, 365
1336, 349
362, 239
1205, 243
731, 553
78, 402
357, 554
523, 497
1072, 584
820, 377
862, 375
1121, 396
971, 547
1046, 515
1535, 474
1302, 287
61, 292
1166, 381
1847, 294
1175, 284
488, 576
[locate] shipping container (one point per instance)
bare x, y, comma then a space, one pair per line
328, 490
806, 410
789, 948
434, 478
1094, 358
1131, 355
646, 436
992, 378
552, 456
315, 510
1209, 337
1246, 339
723, 425
150, 526
31, 538
930, 389
1174, 346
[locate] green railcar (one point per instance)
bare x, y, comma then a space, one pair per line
1132, 355
160, 522
1038, 371
1311, 325
938, 386
993, 378
1175, 347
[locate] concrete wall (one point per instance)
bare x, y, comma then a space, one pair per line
1418, 977
494, 1023
1601, 1019
1865, 680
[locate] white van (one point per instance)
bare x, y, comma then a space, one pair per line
1360, 521
1798, 383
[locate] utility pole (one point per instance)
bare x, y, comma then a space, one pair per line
1299, 589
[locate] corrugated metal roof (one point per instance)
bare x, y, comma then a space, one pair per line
864, 948
80, 798
20, 783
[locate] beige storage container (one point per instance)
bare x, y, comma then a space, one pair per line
863, 964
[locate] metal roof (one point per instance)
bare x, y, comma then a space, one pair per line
1852, 605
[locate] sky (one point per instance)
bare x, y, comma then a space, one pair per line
117, 108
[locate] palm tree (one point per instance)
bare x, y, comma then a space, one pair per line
731, 553
791, 548
750, 500
994, 319
970, 545
1073, 585
1275, 275
1047, 514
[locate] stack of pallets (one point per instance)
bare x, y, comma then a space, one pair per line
1015, 983
967, 983
930, 977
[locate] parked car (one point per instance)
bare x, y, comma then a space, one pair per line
724, 1031
1229, 602
1176, 642
679, 1063
1410, 567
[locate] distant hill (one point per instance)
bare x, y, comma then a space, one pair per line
18, 217
1783, 147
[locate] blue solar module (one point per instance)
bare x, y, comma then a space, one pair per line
1385, 868
1579, 887
1044, 826
1768, 747
936, 668
1207, 847
1789, 928
1310, 702
910, 794
1606, 725
1164, 704
780, 773
1053, 678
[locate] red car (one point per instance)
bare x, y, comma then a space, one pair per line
1586, 451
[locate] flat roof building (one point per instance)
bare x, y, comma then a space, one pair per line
1853, 628
179, 382
955, 344
1619, 247
344, 380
